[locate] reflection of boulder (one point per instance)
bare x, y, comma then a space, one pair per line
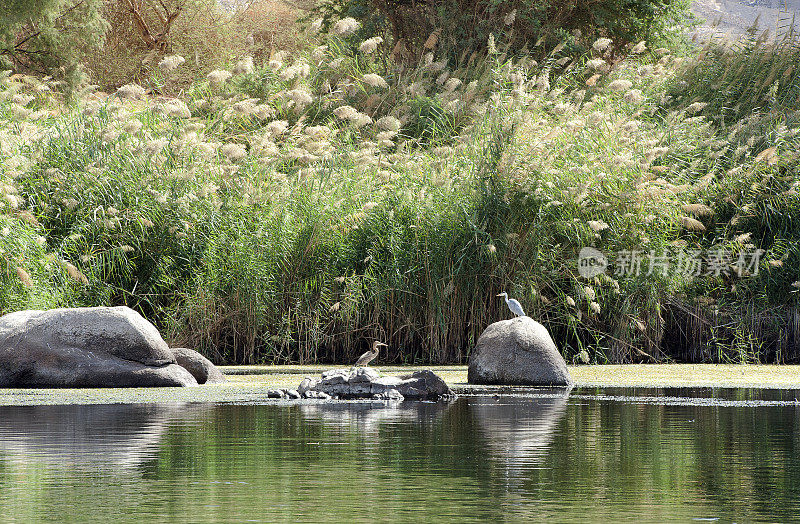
517, 352
519, 429
90, 347
113, 436
366, 416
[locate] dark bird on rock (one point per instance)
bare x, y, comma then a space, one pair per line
370, 355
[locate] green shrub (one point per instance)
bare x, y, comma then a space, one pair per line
49, 37
464, 26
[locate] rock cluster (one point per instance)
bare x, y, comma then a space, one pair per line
93, 347
366, 383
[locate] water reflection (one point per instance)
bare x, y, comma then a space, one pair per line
367, 417
519, 430
86, 437
585, 456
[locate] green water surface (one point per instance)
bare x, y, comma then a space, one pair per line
581, 456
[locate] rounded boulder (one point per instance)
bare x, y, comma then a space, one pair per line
519, 351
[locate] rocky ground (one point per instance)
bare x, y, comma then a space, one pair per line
735, 17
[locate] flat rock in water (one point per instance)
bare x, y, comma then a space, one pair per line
366, 383
517, 352
85, 347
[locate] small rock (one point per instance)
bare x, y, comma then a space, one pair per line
199, 366
275, 393
308, 383
389, 394
292, 394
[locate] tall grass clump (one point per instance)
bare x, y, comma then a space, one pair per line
290, 210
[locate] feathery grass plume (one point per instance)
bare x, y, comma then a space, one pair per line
319, 53
75, 273
634, 96
601, 44
301, 97
318, 132
361, 120
369, 206
510, 17
22, 100
451, 85
316, 25
346, 112
219, 76
592, 80
375, 80
691, 224
696, 107
174, 108
171, 62
620, 85
491, 45
768, 156
245, 107
596, 64
698, 210
234, 152
369, 45
24, 277
131, 92
243, 66
432, 40
346, 26
155, 146
639, 48
655, 152
277, 127
597, 225
132, 127
389, 123
594, 307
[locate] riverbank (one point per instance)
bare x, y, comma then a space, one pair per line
249, 384
264, 217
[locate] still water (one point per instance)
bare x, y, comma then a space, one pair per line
586, 456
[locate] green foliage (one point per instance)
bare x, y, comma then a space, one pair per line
536, 26
49, 37
288, 213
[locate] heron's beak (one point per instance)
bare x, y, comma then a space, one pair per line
382, 344
499, 295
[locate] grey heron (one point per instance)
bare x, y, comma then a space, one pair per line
370, 355
513, 305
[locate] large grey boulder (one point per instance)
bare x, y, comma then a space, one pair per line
517, 352
366, 383
85, 347
199, 366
